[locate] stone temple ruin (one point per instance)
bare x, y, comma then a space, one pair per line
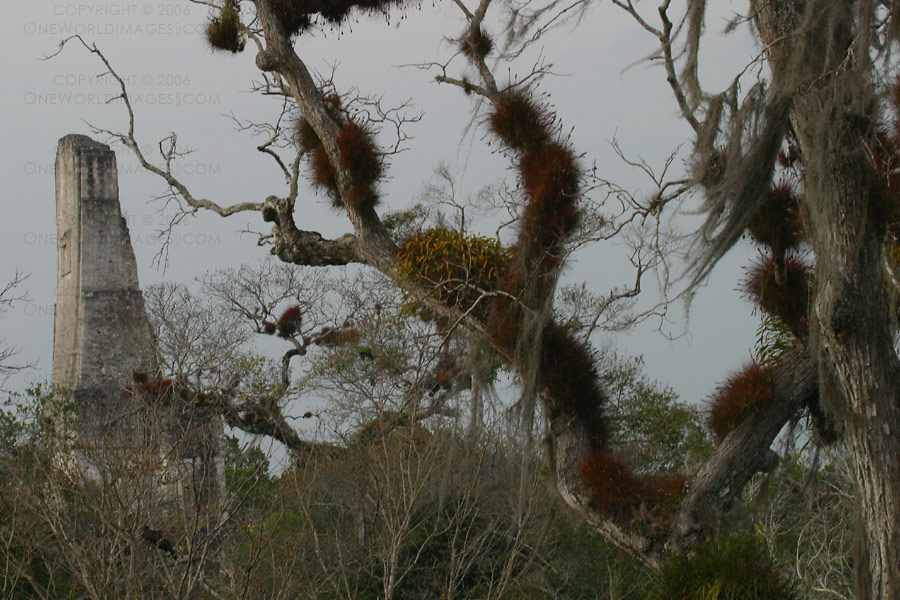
170, 454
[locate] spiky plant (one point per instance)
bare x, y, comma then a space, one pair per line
293, 15
225, 31
777, 223
740, 396
781, 288
459, 268
289, 322
358, 151
732, 567
616, 491
476, 44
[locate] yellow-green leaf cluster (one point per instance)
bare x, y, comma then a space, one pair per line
457, 268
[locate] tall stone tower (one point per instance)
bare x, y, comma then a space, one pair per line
171, 450
101, 331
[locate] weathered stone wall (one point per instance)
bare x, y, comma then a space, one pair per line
102, 335
101, 331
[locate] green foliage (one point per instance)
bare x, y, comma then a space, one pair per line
457, 267
41, 578
809, 518
225, 31
13, 428
589, 567
246, 469
651, 427
28, 420
773, 340
431, 549
335, 519
37, 572
731, 568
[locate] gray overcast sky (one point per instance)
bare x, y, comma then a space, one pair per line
179, 85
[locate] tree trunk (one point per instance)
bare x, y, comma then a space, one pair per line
855, 352
845, 217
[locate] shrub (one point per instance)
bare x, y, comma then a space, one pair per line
731, 568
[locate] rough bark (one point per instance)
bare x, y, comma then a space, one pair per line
374, 244
306, 247
744, 453
851, 328
570, 443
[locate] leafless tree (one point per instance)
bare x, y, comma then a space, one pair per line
9, 295
395, 487
99, 517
